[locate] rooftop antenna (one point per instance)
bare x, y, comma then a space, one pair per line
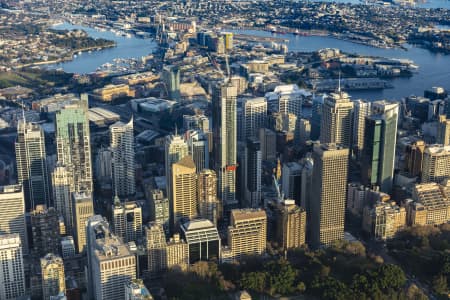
176, 129
228, 67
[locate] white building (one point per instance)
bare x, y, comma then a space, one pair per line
12, 276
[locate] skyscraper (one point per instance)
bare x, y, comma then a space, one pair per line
268, 141
127, 220
73, 145
171, 79
12, 276
443, 132
155, 242
291, 180
379, 146
62, 195
253, 170
12, 214
198, 149
31, 164
122, 160
225, 141
160, 209
83, 209
436, 163
45, 230
202, 238
328, 193
361, 111
184, 202
316, 116
53, 279
337, 117
110, 263
175, 149
291, 225
247, 233
255, 116
207, 195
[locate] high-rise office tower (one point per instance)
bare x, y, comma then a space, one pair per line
73, 145
379, 146
360, 112
83, 209
247, 233
268, 140
175, 149
12, 214
207, 195
177, 253
253, 170
45, 230
127, 220
122, 160
436, 163
111, 264
12, 275
171, 79
414, 157
337, 117
316, 116
291, 180
291, 225
62, 195
198, 149
203, 240
155, 242
102, 166
443, 132
283, 122
160, 209
31, 164
305, 131
53, 279
328, 193
225, 141
255, 116
184, 202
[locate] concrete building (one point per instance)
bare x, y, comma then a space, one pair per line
316, 116
225, 141
362, 109
83, 209
199, 149
305, 131
127, 221
156, 246
12, 214
336, 121
435, 202
436, 163
111, 265
31, 164
328, 193
62, 198
12, 275
252, 171
247, 233
254, 117
384, 220
52, 274
111, 92
283, 122
380, 136
203, 240
291, 225
268, 140
196, 122
291, 180
73, 146
67, 247
136, 290
122, 159
177, 253
45, 233
175, 149
185, 201
416, 213
414, 157
160, 209
443, 132
207, 196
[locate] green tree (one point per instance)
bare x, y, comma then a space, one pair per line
390, 276
281, 277
440, 284
255, 281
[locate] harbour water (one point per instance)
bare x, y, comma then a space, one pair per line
433, 67
88, 62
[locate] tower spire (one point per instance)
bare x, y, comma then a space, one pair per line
339, 84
